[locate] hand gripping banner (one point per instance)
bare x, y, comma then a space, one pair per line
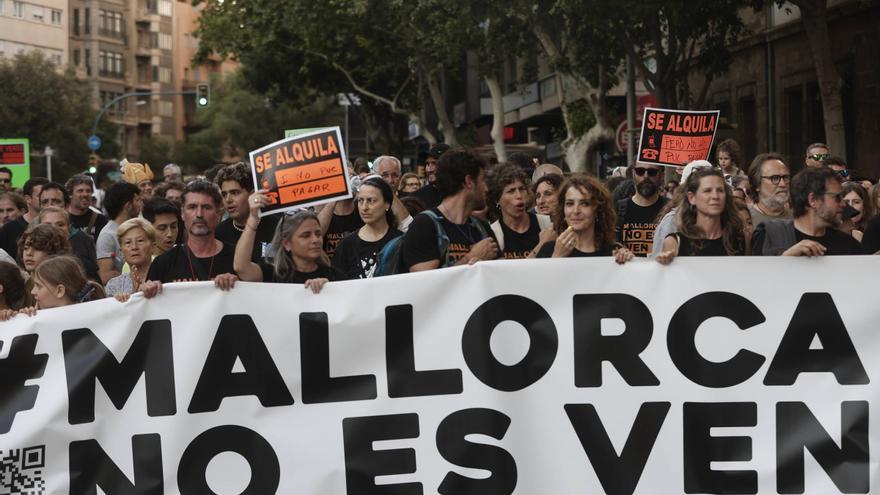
574, 376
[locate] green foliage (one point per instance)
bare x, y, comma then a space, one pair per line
50, 108
240, 120
155, 151
580, 117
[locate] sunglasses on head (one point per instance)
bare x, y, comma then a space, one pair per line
842, 173
640, 171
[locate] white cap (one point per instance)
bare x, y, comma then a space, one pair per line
690, 168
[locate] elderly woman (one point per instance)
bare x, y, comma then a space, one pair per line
520, 234
137, 239
585, 222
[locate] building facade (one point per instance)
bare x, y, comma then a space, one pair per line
34, 25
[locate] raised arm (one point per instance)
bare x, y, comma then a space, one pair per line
246, 269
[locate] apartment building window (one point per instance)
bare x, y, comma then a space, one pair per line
165, 8
56, 58
111, 64
18, 9
165, 41
75, 21
87, 28
166, 109
76, 58
110, 23
38, 12
88, 60
56, 17
164, 75
2, 7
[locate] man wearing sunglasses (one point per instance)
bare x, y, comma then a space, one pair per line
838, 164
770, 179
816, 198
816, 154
637, 216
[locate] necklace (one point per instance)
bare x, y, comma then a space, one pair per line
192, 269
236, 227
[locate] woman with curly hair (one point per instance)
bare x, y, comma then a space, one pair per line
520, 233
708, 224
585, 222
38, 243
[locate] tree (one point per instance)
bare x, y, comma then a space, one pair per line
49, 107
814, 17
585, 56
669, 38
324, 47
240, 120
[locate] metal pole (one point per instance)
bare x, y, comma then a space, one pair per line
347, 142
136, 93
49, 166
630, 110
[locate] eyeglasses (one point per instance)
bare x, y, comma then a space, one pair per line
652, 172
776, 179
818, 156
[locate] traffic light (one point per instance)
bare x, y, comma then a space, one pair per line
203, 95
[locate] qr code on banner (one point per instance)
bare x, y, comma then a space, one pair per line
21, 471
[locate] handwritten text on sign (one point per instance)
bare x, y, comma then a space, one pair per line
303, 170
671, 137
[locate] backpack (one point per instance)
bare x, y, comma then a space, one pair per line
390, 259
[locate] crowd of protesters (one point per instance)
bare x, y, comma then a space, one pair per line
60, 246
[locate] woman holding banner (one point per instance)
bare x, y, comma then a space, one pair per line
356, 255
297, 249
520, 233
137, 240
708, 224
585, 221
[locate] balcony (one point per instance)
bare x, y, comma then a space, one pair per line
111, 74
112, 35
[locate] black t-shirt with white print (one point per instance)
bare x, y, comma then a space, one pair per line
340, 226
520, 245
356, 258
421, 244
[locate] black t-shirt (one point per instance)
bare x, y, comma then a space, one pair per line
429, 195
81, 222
299, 277
546, 251
341, 226
421, 243
516, 245
229, 234
836, 242
871, 239
356, 258
9, 235
635, 229
178, 264
705, 247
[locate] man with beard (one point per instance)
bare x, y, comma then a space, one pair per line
202, 257
461, 181
82, 215
770, 179
637, 215
430, 194
816, 198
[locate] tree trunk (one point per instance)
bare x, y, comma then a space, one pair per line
444, 124
497, 131
814, 17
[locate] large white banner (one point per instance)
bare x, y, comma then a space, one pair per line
750, 375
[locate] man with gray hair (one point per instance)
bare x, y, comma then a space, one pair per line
388, 167
172, 173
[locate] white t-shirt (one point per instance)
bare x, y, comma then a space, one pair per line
107, 245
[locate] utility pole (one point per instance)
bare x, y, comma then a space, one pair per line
48, 152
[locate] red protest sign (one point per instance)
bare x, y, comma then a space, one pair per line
304, 170
675, 137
